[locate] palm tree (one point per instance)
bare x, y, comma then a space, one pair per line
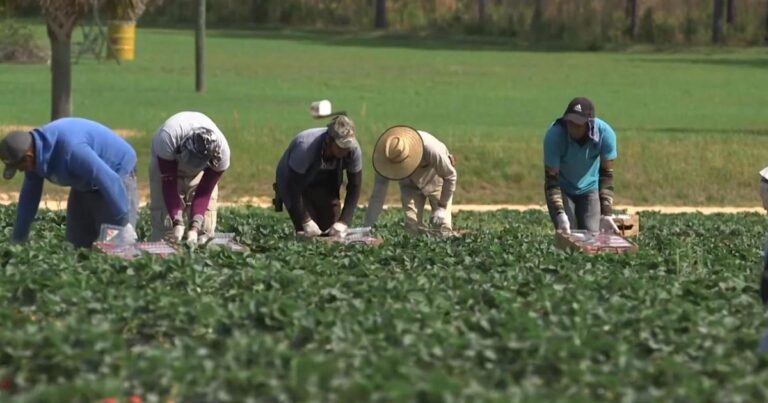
122, 16
125, 10
61, 19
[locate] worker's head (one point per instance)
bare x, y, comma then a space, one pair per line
17, 151
200, 149
398, 152
341, 136
577, 115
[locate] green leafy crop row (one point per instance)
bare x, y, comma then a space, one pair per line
498, 315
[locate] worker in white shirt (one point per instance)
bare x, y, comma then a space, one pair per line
425, 171
189, 154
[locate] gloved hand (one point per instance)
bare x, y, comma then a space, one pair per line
438, 216
129, 234
178, 232
311, 229
192, 237
607, 225
338, 229
563, 224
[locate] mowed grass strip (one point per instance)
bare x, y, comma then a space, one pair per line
690, 124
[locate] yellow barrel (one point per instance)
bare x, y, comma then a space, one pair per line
122, 38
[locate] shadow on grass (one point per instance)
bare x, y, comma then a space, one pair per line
756, 61
697, 130
422, 41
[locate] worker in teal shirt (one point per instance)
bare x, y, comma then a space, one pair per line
579, 151
96, 163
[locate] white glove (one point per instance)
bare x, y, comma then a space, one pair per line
563, 224
178, 232
129, 234
438, 216
192, 237
607, 225
311, 229
338, 229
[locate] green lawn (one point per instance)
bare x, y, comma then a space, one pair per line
691, 124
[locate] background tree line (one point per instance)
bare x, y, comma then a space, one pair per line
592, 23
585, 23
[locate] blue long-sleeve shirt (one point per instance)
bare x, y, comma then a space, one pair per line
79, 153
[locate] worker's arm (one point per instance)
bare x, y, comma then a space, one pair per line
169, 177
354, 182
443, 165
203, 194
26, 210
295, 206
376, 201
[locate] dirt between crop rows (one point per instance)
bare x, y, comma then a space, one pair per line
256, 201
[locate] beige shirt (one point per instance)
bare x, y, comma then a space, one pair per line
435, 173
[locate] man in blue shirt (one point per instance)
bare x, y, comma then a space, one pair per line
579, 151
96, 163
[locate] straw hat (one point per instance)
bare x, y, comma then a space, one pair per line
398, 152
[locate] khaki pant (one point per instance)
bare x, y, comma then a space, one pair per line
414, 199
162, 225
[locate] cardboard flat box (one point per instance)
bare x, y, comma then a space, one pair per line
353, 240
354, 236
593, 244
161, 249
225, 240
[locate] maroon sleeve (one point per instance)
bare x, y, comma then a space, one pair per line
169, 177
204, 191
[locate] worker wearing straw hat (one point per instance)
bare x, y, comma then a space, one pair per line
309, 177
425, 171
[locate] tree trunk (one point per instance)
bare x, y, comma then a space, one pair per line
381, 14
481, 12
631, 13
766, 24
729, 12
200, 48
717, 22
61, 74
538, 16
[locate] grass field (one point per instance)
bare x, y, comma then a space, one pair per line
497, 316
691, 123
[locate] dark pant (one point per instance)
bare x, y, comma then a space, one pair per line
321, 199
583, 211
86, 211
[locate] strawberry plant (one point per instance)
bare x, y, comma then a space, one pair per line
498, 314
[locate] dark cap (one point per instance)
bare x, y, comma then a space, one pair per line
579, 110
12, 150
